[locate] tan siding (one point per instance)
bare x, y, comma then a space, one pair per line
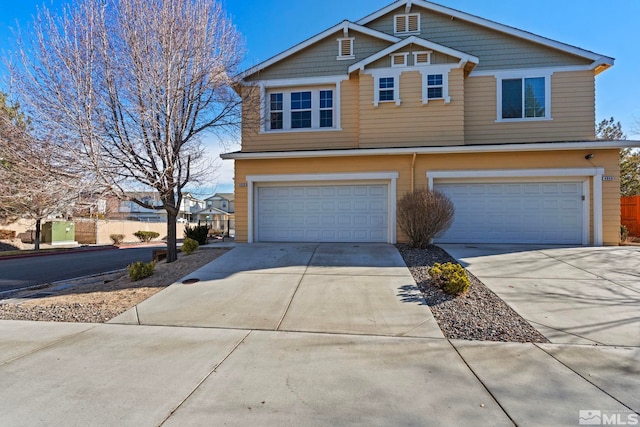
572, 110
496, 50
412, 123
253, 140
320, 58
440, 162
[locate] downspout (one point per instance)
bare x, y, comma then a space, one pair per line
413, 167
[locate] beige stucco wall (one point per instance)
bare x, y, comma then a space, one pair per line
402, 164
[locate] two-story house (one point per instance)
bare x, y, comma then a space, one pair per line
337, 128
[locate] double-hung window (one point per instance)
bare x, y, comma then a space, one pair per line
300, 109
435, 86
386, 89
523, 98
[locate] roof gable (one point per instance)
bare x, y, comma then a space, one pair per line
344, 26
464, 57
404, 6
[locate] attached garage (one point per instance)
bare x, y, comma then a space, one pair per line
516, 212
323, 208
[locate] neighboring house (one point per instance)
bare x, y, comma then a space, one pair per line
127, 209
419, 95
222, 201
219, 212
190, 207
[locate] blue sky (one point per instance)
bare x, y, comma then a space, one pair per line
271, 26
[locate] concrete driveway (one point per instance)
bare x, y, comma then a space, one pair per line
579, 295
329, 288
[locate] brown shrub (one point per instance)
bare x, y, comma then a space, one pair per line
423, 215
7, 234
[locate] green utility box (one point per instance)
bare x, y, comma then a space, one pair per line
59, 233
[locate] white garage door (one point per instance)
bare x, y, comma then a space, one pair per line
323, 213
525, 212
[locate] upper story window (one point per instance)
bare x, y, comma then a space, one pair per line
406, 24
435, 86
345, 48
523, 98
386, 89
301, 109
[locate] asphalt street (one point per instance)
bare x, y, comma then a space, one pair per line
21, 272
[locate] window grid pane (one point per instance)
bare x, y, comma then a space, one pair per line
326, 99
276, 102
512, 98
300, 119
326, 118
386, 83
534, 101
300, 100
434, 92
434, 80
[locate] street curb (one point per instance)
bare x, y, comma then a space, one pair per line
70, 251
60, 282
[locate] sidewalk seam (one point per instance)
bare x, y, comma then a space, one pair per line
51, 344
217, 365
495, 399
584, 378
286, 310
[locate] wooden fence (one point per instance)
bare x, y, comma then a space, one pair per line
630, 214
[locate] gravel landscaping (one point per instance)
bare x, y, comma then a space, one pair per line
476, 315
98, 299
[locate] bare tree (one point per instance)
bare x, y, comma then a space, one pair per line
37, 182
131, 86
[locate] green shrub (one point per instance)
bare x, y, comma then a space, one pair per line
624, 233
423, 215
198, 233
146, 236
450, 277
139, 270
116, 238
189, 246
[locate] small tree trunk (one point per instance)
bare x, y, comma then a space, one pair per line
172, 242
37, 240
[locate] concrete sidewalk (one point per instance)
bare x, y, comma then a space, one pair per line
579, 295
314, 335
105, 375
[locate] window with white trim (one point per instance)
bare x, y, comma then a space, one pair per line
399, 59
435, 86
408, 23
523, 98
298, 109
345, 48
386, 89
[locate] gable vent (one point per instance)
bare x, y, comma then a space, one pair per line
407, 23
422, 58
346, 48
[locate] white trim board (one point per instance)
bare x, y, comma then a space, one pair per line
253, 181
454, 149
591, 174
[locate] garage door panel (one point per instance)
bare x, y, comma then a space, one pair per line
515, 212
327, 213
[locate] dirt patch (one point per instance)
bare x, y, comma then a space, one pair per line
99, 299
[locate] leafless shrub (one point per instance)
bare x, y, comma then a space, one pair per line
423, 215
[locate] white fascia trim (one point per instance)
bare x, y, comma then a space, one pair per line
322, 177
455, 149
602, 59
297, 48
302, 81
392, 177
544, 70
464, 57
594, 173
